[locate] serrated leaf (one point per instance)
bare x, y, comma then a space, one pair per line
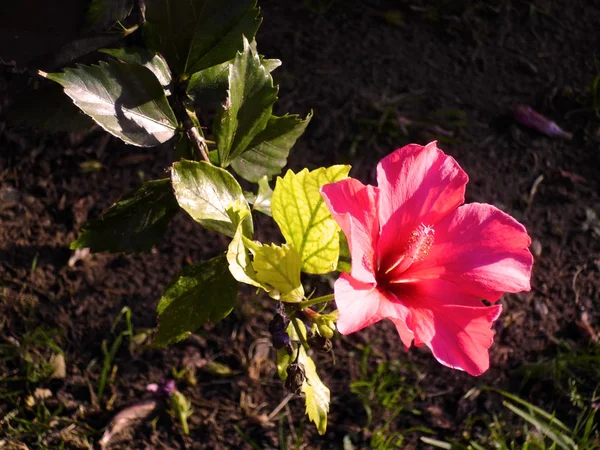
267, 153
247, 109
208, 87
317, 394
240, 265
125, 99
270, 64
135, 223
203, 292
277, 269
197, 34
48, 109
103, 14
262, 202
206, 193
219, 32
303, 218
156, 63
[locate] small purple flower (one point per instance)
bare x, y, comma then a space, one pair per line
163, 389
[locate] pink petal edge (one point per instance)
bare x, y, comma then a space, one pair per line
481, 249
354, 207
417, 185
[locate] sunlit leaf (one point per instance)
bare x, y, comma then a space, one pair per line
197, 34
135, 223
203, 292
262, 202
103, 14
246, 112
267, 154
303, 218
125, 99
278, 269
206, 193
144, 57
270, 64
240, 264
317, 394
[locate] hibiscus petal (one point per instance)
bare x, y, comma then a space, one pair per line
459, 336
406, 335
354, 207
462, 336
417, 185
358, 304
481, 249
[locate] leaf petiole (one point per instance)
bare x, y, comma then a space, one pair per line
315, 301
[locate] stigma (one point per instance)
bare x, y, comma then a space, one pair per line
416, 249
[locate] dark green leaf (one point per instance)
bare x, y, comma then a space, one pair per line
135, 223
246, 112
103, 14
125, 99
48, 109
267, 153
206, 193
197, 34
183, 148
208, 87
204, 292
144, 57
219, 32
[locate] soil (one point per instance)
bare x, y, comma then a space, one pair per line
376, 80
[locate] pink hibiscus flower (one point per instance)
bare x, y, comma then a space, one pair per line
422, 260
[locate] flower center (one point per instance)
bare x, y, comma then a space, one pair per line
416, 249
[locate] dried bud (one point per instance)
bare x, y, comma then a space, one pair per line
320, 343
533, 119
295, 378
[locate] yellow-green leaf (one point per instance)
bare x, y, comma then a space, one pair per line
303, 218
277, 268
317, 394
238, 258
206, 193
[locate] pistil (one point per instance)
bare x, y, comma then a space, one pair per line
416, 249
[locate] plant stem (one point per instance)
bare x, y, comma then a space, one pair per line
315, 301
187, 116
301, 336
194, 133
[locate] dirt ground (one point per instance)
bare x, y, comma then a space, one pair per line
378, 74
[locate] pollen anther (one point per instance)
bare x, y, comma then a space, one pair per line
416, 249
